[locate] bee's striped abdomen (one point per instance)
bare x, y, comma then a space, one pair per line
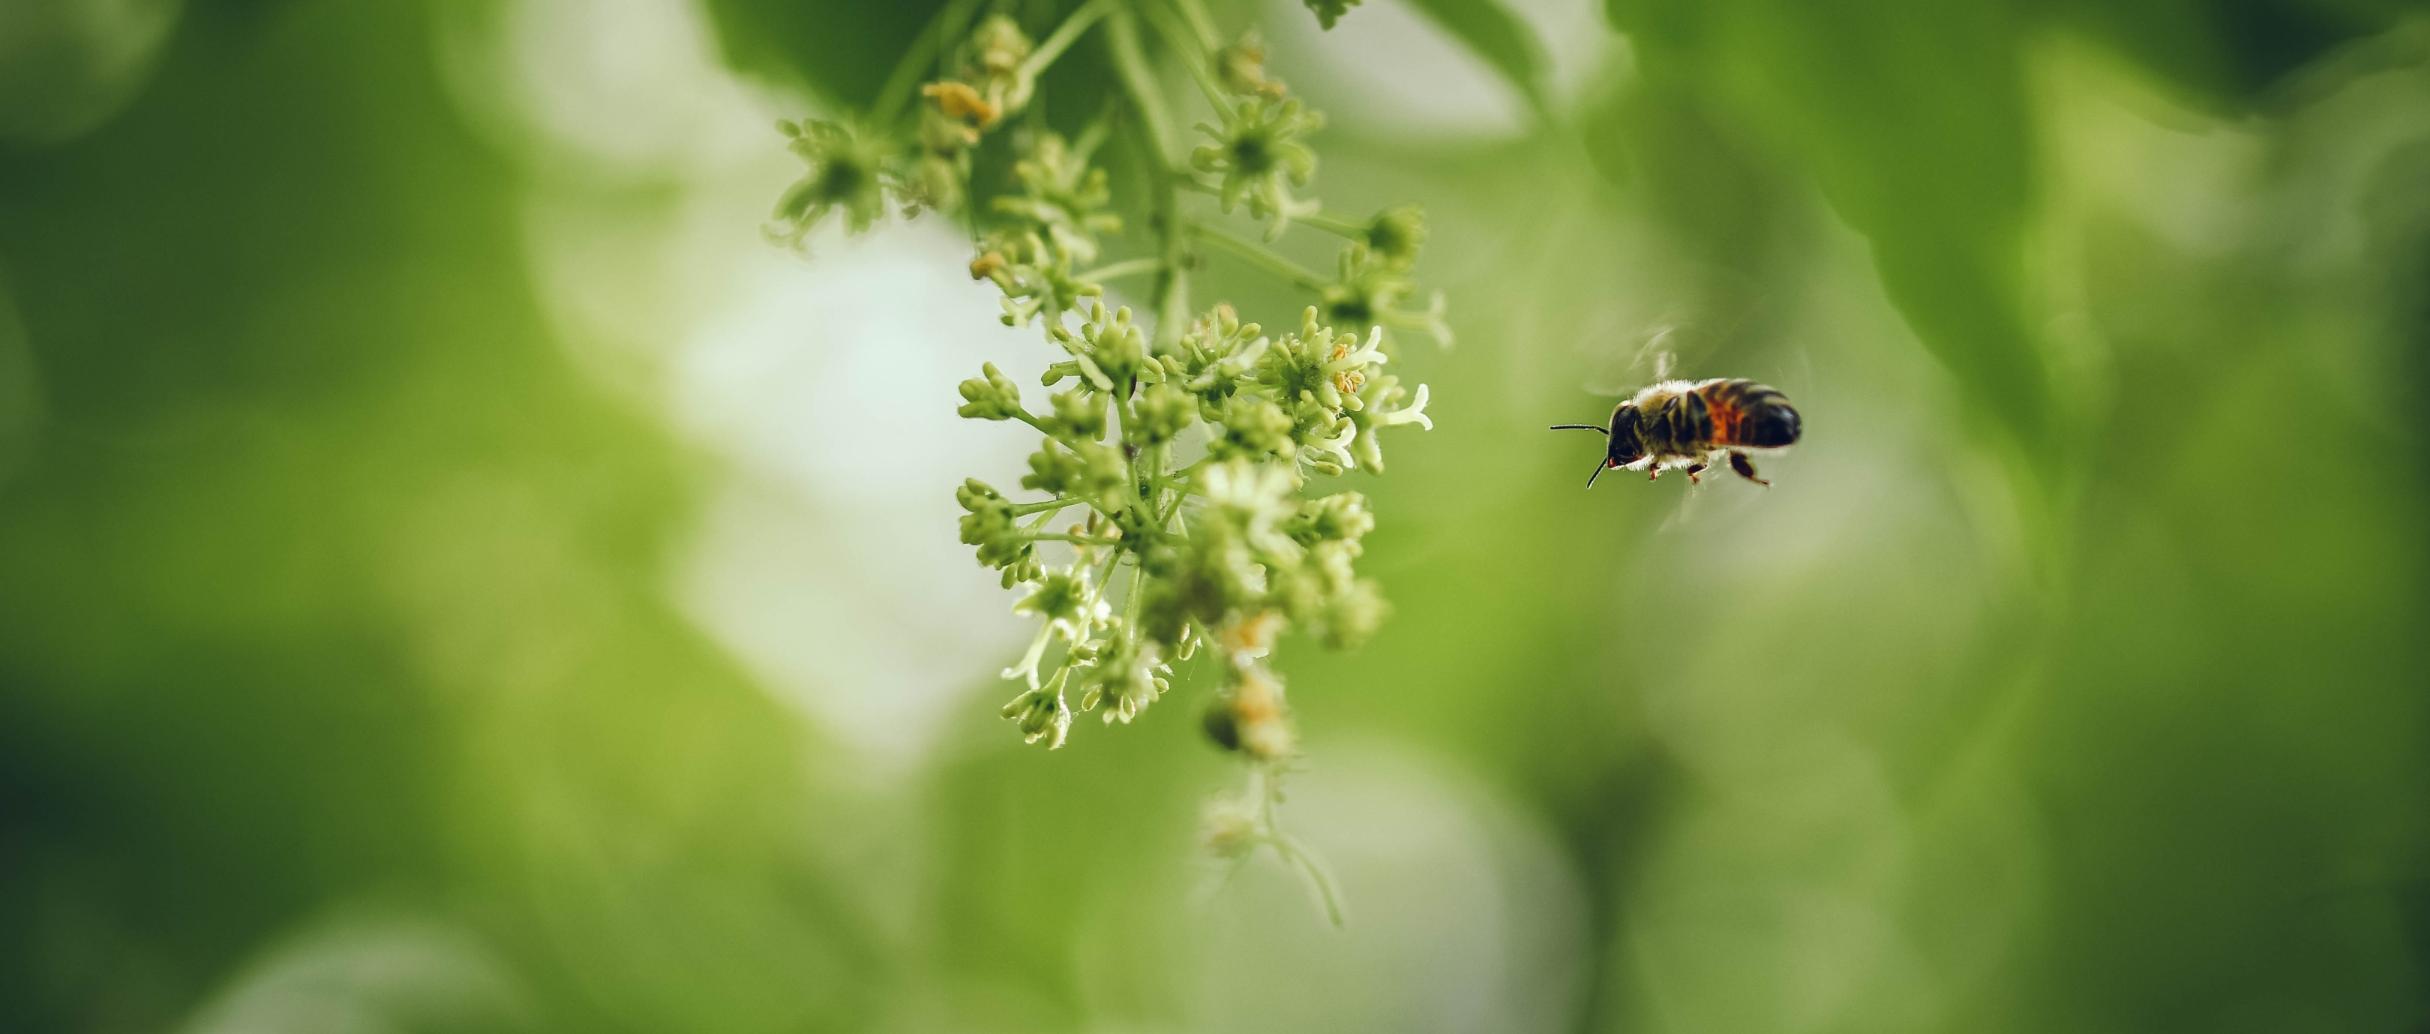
1743, 412
1691, 423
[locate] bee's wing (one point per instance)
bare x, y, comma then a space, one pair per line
1685, 512
1800, 374
1695, 333
1647, 354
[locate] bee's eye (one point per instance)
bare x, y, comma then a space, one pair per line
1624, 421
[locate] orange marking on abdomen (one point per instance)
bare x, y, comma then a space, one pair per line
1722, 402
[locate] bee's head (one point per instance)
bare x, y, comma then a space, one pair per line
1625, 447
1622, 446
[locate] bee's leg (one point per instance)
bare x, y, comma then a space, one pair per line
1653, 471
1746, 468
1693, 470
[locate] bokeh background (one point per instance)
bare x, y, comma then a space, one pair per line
454, 575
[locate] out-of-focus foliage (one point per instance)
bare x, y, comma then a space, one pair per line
1495, 35
448, 585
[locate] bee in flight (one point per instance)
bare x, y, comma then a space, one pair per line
1692, 424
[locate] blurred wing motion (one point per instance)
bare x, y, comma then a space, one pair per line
1652, 358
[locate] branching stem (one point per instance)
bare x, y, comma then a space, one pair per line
924, 53
1290, 849
1077, 540
1334, 225
1258, 255
1027, 417
1043, 506
1063, 37
1192, 51
1204, 26
1131, 66
1118, 270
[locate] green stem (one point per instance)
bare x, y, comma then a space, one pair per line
1028, 666
1291, 851
1267, 789
1063, 37
1130, 462
1204, 26
1085, 145
1190, 50
1181, 478
1172, 282
1025, 417
1348, 229
1105, 573
923, 54
1130, 65
1131, 267
1334, 225
1045, 517
1257, 255
1172, 298
1130, 605
1042, 506
1077, 540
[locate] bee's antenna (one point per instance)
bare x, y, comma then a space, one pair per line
1576, 427
1600, 466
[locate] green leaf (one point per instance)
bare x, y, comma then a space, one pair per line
1502, 39
1911, 117
1330, 11
842, 51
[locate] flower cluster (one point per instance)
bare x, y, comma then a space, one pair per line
996, 77
856, 172
848, 173
1047, 233
1258, 154
1241, 69
1222, 547
1174, 503
1370, 285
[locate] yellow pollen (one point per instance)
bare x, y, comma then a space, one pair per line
959, 100
1347, 381
1253, 637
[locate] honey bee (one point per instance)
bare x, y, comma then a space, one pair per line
1692, 424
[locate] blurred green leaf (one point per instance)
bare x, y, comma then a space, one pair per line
2224, 55
1910, 116
1489, 30
843, 51
372, 682
1328, 12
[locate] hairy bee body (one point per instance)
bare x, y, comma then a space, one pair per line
1693, 424
1681, 422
